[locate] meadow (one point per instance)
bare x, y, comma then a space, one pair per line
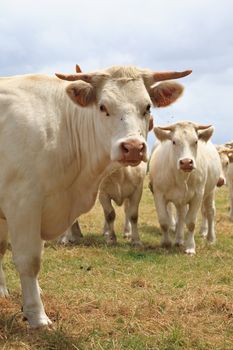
120, 297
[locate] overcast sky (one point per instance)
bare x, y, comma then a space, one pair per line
47, 36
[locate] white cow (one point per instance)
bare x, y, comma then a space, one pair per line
57, 137
226, 156
184, 170
124, 186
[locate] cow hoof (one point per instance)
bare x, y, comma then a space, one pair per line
137, 244
190, 251
36, 323
166, 244
111, 242
211, 241
127, 235
3, 292
179, 244
203, 234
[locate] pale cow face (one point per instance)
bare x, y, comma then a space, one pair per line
123, 97
184, 138
226, 157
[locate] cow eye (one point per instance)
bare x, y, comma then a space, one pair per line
174, 142
104, 109
148, 107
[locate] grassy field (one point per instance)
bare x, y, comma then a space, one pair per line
120, 297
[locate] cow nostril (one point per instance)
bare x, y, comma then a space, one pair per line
190, 161
124, 148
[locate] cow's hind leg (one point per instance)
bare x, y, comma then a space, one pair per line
231, 201
3, 247
25, 233
72, 235
110, 215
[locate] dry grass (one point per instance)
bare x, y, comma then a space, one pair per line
123, 298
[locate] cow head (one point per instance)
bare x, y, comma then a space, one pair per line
184, 138
226, 157
123, 98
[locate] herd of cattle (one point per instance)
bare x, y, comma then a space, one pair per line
65, 139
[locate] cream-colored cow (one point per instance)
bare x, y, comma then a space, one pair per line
58, 136
184, 170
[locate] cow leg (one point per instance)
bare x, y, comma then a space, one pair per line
27, 246
163, 216
132, 213
190, 221
110, 215
210, 214
204, 222
231, 202
72, 235
181, 213
3, 247
127, 227
172, 219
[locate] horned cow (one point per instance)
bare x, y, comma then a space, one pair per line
58, 135
184, 170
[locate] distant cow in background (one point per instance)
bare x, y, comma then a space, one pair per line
184, 170
123, 186
226, 156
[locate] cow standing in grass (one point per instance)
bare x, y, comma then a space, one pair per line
226, 156
57, 138
123, 186
184, 170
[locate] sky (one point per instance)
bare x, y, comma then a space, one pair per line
50, 36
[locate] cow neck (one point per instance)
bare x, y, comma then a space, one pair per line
86, 143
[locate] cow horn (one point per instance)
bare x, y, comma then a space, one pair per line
73, 77
88, 78
201, 127
78, 69
160, 76
168, 127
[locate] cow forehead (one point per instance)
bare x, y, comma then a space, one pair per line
128, 90
185, 131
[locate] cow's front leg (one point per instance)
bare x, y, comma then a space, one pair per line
181, 213
204, 222
132, 213
3, 247
25, 233
127, 226
110, 215
190, 220
163, 216
210, 214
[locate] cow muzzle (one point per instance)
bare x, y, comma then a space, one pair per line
186, 165
132, 152
221, 181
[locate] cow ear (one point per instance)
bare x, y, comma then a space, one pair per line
162, 135
166, 93
205, 134
230, 156
81, 93
151, 123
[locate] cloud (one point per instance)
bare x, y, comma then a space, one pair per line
49, 36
